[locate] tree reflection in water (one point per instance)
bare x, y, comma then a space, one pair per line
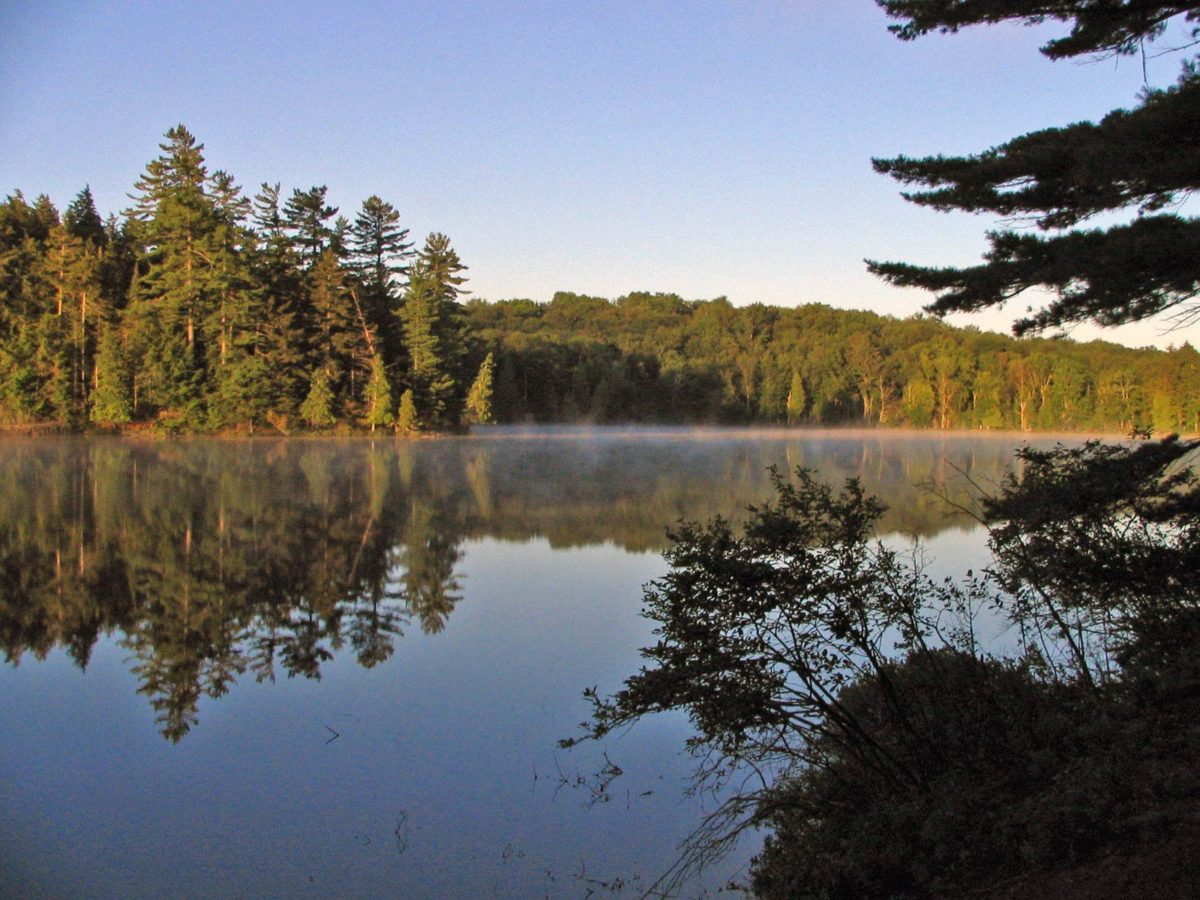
212, 561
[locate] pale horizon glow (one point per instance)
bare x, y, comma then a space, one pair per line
705, 149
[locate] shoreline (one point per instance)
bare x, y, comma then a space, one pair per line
568, 431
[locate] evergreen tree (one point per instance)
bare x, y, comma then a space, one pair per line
797, 399
479, 397
275, 279
1139, 161
407, 420
317, 408
343, 343
83, 221
378, 399
304, 216
110, 399
379, 251
177, 223
70, 273
442, 263
379, 245
232, 324
434, 333
243, 392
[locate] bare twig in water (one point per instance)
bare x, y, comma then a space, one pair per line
401, 832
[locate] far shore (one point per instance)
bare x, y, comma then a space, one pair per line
580, 431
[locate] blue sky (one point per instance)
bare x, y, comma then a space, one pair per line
705, 148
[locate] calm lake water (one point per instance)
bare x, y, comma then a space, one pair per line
341, 667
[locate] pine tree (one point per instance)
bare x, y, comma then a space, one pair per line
243, 394
378, 399
441, 262
379, 252
71, 274
797, 399
231, 325
428, 335
177, 223
479, 397
111, 398
304, 216
379, 245
317, 408
83, 221
275, 278
1139, 161
407, 419
343, 342
434, 332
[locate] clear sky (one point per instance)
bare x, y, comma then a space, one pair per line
704, 148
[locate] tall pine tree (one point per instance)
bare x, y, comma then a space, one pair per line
435, 334
177, 284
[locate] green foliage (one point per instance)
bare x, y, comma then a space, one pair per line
318, 407
111, 400
1138, 160
479, 397
797, 399
378, 399
243, 395
224, 306
434, 334
379, 244
587, 359
1095, 27
304, 218
407, 419
83, 221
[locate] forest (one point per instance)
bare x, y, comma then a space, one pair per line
200, 309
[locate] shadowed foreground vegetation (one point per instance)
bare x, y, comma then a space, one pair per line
842, 699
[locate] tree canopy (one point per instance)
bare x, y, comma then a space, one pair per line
203, 309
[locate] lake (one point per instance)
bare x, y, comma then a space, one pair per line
340, 667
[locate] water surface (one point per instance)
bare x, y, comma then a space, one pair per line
341, 667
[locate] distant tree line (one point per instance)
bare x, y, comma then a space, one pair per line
202, 309
657, 357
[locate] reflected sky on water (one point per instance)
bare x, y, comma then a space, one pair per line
315, 667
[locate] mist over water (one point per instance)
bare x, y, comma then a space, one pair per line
341, 666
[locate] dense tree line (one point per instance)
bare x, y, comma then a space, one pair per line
657, 357
203, 309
